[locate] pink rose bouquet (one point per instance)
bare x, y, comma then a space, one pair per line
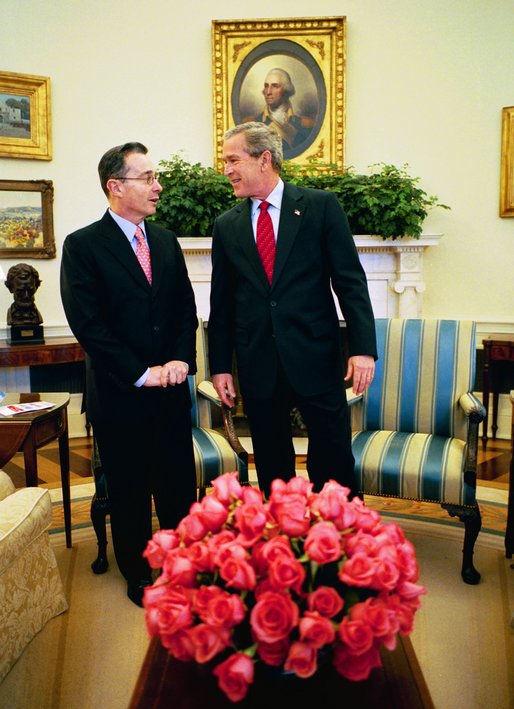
281, 581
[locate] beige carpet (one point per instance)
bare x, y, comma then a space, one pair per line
91, 655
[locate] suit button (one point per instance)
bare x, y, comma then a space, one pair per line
156, 328
273, 303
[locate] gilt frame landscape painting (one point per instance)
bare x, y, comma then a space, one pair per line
26, 219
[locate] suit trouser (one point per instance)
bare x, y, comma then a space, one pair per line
145, 457
326, 416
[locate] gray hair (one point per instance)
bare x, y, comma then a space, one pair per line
287, 83
259, 138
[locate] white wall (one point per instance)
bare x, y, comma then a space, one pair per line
426, 82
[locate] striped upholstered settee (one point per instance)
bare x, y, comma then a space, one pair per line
415, 431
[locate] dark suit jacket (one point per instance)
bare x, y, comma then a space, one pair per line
296, 317
124, 324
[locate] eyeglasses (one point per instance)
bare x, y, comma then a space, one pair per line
149, 179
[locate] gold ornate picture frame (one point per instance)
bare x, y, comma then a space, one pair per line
507, 164
312, 51
26, 219
25, 116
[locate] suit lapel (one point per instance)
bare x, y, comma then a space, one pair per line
291, 214
244, 238
119, 247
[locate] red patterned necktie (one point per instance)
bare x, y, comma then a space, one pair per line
143, 254
266, 240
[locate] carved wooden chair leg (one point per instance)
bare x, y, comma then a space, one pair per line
472, 520
99, 512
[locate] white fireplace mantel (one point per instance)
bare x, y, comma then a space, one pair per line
394, 270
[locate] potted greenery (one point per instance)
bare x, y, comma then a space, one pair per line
387, 202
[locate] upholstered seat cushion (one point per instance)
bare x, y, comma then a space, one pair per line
213, 456
415, 466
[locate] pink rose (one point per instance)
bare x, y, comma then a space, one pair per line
235, 675
302, 660
238, 574
323, 543
180, 645
356, 667
273, 617
332, 505
264, 554
360, 542
274, 654
251, 496
201, 556
213, 513
159, 545
386, 575
381, 619
209, 640
356, 634
225, 609
227, 488
366, 518
292, 514
201, 596
326, 601
178, 568
170, 613
316, 630
251, 520
286, 572
357, 571
192, 528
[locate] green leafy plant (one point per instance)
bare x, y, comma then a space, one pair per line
192, 197
387, 202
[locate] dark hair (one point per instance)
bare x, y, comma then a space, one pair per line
112, 163
259, 138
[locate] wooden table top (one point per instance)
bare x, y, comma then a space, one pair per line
56, 350
165, 682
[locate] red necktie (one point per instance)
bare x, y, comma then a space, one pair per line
266, 240
143, 254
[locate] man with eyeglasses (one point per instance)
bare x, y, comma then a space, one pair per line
131, 306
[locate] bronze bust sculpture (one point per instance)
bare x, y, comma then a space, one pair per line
23, 281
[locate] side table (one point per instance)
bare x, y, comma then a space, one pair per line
509, 533
494, 351
29, 431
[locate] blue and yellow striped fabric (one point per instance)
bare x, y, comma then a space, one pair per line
213, 453
412, 433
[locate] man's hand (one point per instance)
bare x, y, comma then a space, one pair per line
361, 368
224, 385
174, 372
171, 373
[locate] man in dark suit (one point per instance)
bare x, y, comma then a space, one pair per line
282, 323
130, 304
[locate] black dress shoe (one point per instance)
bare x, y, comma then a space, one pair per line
136, 589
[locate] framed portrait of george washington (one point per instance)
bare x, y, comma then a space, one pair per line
289, 74
25, 126
507, 163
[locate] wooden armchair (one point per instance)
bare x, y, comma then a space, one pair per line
415, 431
215, 454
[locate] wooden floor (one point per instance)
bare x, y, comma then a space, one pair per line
493, 464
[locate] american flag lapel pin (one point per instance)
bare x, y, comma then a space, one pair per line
297, 212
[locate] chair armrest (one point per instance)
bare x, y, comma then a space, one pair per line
207, 391
352, 398
472, 407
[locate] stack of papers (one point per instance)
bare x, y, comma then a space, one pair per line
12, 409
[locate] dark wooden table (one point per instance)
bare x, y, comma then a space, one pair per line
165, 682
29, 431
509, 533
56, 350
495, 351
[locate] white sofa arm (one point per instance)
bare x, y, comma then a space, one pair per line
24, 516
6, 485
